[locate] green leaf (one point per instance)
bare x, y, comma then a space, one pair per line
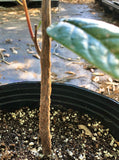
95, 41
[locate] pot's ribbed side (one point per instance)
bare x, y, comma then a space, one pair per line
13, 96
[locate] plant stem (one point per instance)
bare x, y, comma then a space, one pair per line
34, 38
44, 116
28, 19
44, 121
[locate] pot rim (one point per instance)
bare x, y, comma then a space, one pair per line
27, 93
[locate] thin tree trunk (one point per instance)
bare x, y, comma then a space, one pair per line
44, 120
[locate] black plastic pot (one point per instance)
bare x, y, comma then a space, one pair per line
15, 95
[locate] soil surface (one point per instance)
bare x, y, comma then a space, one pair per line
74, 136
21, 62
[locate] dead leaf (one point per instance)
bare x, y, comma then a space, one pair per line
95, 78
6, 55
14, 50
70, 72
98, 74
92, 70
30, 51
87, 131
101, 90
113, 83
2, 50
8, 40
30, 45
36, 56
53, 76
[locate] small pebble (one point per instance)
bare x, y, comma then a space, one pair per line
31, 143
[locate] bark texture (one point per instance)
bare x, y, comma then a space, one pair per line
44, 120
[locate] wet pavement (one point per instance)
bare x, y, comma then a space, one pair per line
20, 53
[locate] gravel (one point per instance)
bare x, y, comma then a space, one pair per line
74, 136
